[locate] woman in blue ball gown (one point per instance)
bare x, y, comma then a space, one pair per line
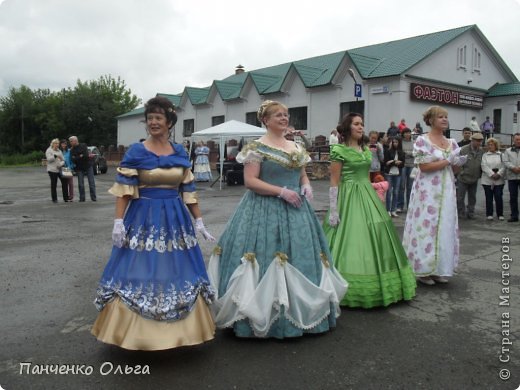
154, 292
272, 266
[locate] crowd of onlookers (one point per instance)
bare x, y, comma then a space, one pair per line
66, 159
392, 171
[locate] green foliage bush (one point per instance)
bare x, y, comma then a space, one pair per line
22, 159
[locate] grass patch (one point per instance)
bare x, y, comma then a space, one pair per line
18, 159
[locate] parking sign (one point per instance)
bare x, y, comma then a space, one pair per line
357, 90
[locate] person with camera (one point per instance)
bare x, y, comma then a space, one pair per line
83, 167
55, 162
493, 171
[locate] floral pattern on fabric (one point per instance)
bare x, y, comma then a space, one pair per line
155, 301
431, 233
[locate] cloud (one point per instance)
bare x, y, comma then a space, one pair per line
165, 45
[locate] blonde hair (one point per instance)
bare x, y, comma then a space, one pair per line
267, 108
493, 141
432, 113
55, 141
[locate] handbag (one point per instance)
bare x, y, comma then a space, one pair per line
414, 172
65, 172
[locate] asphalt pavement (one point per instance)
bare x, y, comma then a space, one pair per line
462, 335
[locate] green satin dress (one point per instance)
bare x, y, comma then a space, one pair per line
365, 246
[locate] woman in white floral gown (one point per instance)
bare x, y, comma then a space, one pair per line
431, 233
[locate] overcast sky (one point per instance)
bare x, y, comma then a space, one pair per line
165, 45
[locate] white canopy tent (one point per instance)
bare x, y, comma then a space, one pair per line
224, 131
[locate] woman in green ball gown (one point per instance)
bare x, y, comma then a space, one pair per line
363, 241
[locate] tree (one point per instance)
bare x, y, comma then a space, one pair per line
29, 120
90, 109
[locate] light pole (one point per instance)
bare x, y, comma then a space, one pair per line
351, 73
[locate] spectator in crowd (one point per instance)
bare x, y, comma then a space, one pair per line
83, 167
512, 163
393, 163
493, 171
202, 169
55, 162
468, 176
402, 125
378, 155
487, 128
392, 131
466, 137
417, 130
473, 124
64, 147
380, 185
297, 136
334, 137
405, 187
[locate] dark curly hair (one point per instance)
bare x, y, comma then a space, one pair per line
344, 128
161, 105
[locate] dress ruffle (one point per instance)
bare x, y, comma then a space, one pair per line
304, 304
118, 325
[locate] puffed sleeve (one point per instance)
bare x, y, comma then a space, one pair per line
187, 188
249, 154
127, 182
335, 153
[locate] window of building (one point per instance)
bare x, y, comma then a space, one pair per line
217, 120
357, 106
188, 127
298, 118
251, 119
461, 57
477, 56
497, 120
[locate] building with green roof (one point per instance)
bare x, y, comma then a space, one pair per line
456, 68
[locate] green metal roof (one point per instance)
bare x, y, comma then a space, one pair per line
136, 111
175, 99
381, 60
197, 95
228, 90
395, 57
504, 89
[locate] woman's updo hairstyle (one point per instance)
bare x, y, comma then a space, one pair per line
267, 108
431, 113
345, 128
161, 105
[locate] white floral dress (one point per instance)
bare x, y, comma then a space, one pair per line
431, 232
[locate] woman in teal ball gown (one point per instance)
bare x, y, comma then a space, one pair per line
363, 241
272, 267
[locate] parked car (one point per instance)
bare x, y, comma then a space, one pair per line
99, 162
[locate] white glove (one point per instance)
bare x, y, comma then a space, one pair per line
291, 197
333, 200
118, 233
306, 190
199, 225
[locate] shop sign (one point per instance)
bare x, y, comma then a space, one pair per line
444, 96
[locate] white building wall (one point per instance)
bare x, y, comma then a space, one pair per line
386, 99
130, 129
